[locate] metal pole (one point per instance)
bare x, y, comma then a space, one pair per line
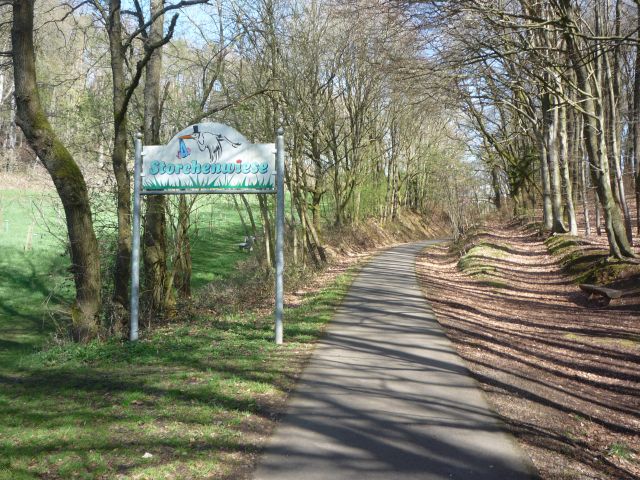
279, 232
135, 244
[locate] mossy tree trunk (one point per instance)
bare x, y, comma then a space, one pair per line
64, 172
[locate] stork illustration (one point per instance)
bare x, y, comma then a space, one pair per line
212, 142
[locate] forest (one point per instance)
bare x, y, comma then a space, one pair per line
363, 139
402, 119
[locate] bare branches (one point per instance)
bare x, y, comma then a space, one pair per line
233, 103
141, 64
143, 25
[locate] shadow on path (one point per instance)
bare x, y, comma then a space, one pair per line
385, 396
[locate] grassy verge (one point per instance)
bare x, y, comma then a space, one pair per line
192, 400
478, 262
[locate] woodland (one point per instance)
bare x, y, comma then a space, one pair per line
401, 119
364, 138
387, 105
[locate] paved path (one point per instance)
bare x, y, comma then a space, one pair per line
385, 396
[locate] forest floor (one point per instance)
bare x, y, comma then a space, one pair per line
561, 371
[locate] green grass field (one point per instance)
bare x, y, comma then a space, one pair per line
34, 279
214, 239
189, 400
35, 285
195, 396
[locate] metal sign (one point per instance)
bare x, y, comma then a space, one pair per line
209, 158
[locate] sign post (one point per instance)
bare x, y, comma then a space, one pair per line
209, 158
135, 242
279, 233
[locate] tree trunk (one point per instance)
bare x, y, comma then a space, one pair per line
547, 215
495, 183
564, 156
245, 228
158, 298
266, 230
552, 134
595, 142
122, 271
614, 137
183, 251
294, 229
395, 197
585, 197
64, 172
636, 123
598, 215
250, 214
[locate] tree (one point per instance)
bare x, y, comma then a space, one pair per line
64, 172
565, 57
591, 100
157, 291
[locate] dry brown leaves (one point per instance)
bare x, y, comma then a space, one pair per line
561, 372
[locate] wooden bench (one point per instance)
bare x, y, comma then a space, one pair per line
247, 245
607, 294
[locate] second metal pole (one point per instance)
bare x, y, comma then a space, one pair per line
279, 233
135, 243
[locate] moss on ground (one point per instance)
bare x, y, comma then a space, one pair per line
586, 264
477, 260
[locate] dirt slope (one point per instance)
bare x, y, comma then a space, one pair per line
563, 373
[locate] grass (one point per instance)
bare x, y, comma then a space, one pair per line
215, 235
632, 342
197, 396
36, 286
35, 277
620, 450
476, 261
215, 184
190, 399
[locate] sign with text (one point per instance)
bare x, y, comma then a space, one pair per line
209, 157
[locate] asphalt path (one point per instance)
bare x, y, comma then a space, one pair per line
385, 396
